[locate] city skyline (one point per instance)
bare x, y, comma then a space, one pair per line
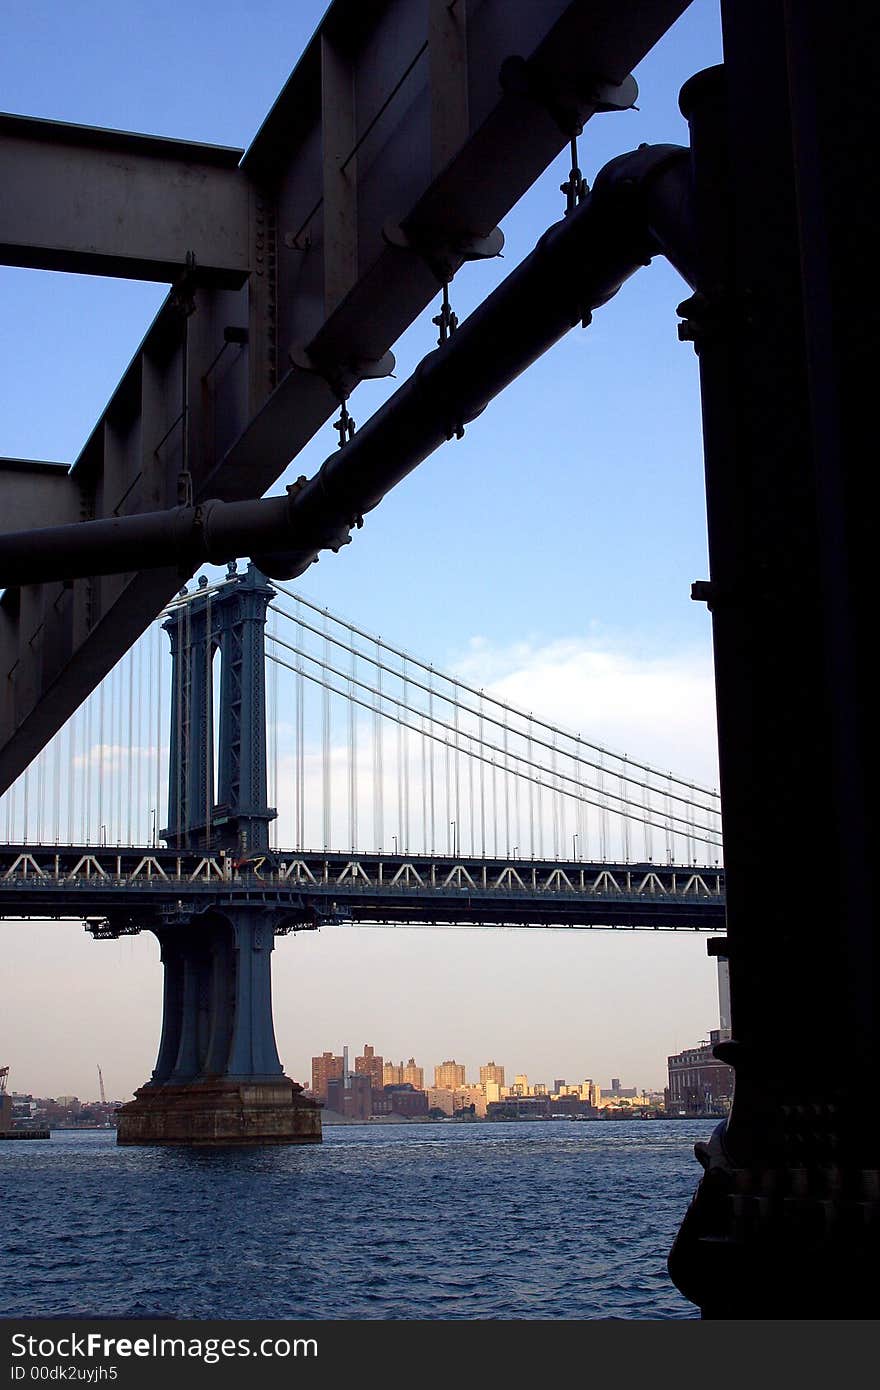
547, 555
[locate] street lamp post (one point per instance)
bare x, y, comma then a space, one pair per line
454, 846
574, 846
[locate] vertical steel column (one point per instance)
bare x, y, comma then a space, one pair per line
243, 813
784, 1220
253, 1051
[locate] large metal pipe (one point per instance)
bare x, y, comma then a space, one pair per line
639, 207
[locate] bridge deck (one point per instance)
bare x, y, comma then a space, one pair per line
129, 889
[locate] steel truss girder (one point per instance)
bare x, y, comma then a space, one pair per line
128, 889
401, 114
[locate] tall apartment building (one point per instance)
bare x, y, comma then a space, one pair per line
449, 1076
325, 1069
392, 1074
414, 1076
491, 1072
370, 1065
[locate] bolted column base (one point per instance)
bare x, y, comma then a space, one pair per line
220, 1113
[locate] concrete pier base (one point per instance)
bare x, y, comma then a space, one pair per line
221, 1113
218, 1079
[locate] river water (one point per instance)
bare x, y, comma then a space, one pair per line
542, 1220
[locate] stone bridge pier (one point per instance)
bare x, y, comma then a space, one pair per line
218, 1079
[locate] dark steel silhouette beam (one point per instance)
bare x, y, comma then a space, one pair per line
407, 131
640, 206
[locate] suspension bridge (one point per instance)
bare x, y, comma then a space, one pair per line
394, 792
315, 773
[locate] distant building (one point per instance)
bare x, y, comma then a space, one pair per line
414, 1076
520, 1085
699, 1084
402, 1100
573, 1105
325, 1069
471, 1098
619, 1092
491, 1072
449, 1075
370, 1065
515, 1107
441, 1098
392, 1075
353, 1100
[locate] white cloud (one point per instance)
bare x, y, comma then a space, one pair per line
657, 710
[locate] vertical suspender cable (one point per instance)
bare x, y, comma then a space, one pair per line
325, 749
275, 799
71, 837
531, 786
507, 839
101, 717
115, 824
449, 845
404, 829
670, 843
378, 769
157, 647
626, 824
129, 740
139, 705
494, 806
88, 771
457, 762
352, 753
432, 801
554, 801
425, 755
26, 799
56, 783
649, 833
472, 825
482, 780
400, 833
300, 756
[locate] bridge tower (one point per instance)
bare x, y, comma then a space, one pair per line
226, 623
218, 1079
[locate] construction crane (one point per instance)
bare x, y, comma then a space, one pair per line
101, 1086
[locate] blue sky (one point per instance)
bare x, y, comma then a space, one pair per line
550, 552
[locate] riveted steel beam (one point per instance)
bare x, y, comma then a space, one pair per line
106, 202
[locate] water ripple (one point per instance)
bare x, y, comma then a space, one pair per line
464, 1221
